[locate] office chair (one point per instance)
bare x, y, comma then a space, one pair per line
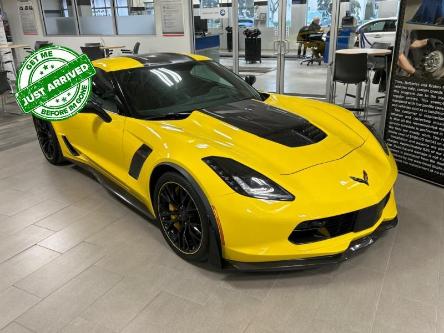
378, 64
301, 40
315, 43
41, 43
359, 74
134, 51
107, 52
92, 44
93, 52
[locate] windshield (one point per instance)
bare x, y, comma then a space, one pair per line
177, 88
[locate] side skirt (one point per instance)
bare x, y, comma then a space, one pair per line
117, 191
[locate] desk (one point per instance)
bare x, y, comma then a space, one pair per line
370, 52
13, 46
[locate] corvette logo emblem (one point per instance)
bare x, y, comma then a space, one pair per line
363, 180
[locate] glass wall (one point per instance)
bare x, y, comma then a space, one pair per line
213, 30
135, 17
59, 17
307, 64
95, 17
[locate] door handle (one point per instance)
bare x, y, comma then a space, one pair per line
276, 45
286, 46
377, 36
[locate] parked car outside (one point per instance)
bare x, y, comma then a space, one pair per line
378, 30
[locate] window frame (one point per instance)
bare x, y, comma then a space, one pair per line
76, 16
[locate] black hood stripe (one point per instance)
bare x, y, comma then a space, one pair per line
268, 122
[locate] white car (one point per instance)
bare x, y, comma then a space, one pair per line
380, 30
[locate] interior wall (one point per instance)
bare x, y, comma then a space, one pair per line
148, 43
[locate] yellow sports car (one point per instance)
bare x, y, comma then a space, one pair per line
233, 177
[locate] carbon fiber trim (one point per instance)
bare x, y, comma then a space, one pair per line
160, 59
138, 160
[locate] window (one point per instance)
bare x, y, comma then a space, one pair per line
205, 73
103, 92
96, 17
375, 27
181, 87
59, 17
135, 17
390, 26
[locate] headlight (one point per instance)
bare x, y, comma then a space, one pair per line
378, 136
246, 181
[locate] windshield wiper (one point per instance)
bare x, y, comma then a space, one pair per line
170, 115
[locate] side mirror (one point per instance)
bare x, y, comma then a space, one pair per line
250, 79
96, 109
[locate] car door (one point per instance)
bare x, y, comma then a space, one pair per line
98, 143
373, 32
389, 33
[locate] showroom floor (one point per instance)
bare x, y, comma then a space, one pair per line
75, 259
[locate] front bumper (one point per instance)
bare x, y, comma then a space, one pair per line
355, 247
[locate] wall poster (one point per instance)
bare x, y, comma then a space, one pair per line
172, 17
27, 17
414, 128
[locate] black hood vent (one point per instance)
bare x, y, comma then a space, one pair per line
268, 122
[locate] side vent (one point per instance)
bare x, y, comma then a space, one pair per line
71, 149
139, 158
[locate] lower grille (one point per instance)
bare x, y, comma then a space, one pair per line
326, 228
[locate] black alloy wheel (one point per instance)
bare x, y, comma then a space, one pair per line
181, 215
48, 141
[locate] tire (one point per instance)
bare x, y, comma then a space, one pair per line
48, 142
182, 223
432, 62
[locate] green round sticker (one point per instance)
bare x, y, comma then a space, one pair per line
54, 83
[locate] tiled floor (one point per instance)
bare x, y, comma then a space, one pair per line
75, 259
15, 127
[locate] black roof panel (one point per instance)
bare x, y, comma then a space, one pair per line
158, 59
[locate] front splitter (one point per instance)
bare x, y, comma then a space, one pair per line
286, 265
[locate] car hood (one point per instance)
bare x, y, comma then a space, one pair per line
284, 138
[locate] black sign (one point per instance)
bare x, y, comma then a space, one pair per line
414, 127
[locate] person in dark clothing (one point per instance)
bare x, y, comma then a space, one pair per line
317, 46
302, 40
315, 25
